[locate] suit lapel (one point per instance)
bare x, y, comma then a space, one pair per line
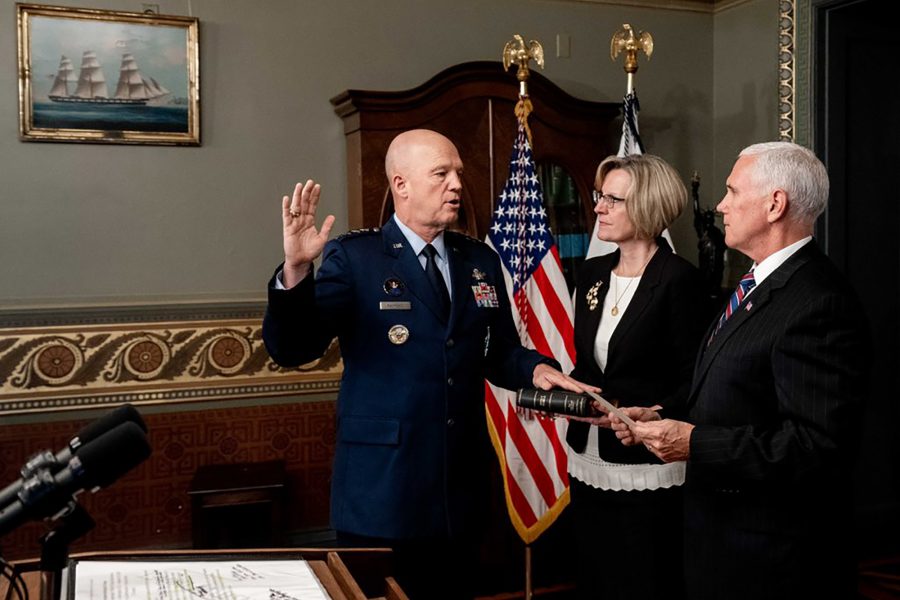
751, 306
643, 295
407, 268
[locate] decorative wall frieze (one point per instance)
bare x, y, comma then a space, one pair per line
55, 367
786, 73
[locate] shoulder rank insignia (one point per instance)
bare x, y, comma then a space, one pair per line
359, 232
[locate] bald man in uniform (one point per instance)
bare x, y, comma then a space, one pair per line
417, 346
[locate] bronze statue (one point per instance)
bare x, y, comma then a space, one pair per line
710, 244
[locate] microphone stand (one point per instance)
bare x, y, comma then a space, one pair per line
55, 548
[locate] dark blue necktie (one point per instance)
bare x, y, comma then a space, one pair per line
437, 280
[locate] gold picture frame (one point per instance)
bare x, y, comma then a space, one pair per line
65, 56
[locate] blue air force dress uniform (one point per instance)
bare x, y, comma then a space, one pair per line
410, 413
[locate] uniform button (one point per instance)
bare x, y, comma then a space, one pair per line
450, 381
450, 343
450, 422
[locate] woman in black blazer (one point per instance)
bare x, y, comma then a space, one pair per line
638, 324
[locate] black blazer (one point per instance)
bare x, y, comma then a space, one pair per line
652, 350
776, 400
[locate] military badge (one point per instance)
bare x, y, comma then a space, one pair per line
478, 275
591, 295
398, 334
393, 286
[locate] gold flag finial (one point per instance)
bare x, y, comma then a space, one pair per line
631, 43
516, 52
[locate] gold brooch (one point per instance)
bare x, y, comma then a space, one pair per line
591, 295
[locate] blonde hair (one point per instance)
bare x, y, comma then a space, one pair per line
656, 196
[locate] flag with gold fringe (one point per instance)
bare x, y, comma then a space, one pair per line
531, 448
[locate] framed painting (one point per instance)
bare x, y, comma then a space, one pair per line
99, 76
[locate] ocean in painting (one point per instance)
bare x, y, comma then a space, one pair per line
106, 117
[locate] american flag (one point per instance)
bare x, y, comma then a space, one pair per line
630, 143
531, 449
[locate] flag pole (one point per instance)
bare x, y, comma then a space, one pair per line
631, 43
517, 52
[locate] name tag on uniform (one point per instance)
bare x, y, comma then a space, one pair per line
485, 295
396, 305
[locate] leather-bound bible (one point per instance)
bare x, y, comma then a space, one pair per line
556, 401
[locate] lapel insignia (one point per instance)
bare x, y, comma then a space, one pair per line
393, 287
397, 245
749, 305
591, 296
478, 275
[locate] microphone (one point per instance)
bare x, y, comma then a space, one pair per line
54, 462
123, 414
95, 465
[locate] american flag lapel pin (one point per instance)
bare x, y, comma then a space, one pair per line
749, 305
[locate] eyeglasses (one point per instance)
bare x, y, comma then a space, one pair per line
608, 199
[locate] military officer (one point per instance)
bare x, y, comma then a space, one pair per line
422, 318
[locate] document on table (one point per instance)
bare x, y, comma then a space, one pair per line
194, 580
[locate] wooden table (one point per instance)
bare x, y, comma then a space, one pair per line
345, 573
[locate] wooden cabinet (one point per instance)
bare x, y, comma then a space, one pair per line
472, 104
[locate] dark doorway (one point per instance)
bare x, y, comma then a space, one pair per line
857, 132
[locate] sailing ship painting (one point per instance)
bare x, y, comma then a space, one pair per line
133, 89
111, 77
84, 101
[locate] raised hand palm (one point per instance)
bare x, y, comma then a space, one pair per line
303, 243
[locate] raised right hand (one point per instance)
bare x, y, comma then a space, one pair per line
303, 243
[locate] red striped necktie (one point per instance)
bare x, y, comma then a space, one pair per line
747, 283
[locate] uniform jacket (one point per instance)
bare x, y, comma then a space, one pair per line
652, 350
776, 400
411, 429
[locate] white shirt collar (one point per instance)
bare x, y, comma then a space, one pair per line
417, 243
776, 259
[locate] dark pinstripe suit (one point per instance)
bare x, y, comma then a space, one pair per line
776, 400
